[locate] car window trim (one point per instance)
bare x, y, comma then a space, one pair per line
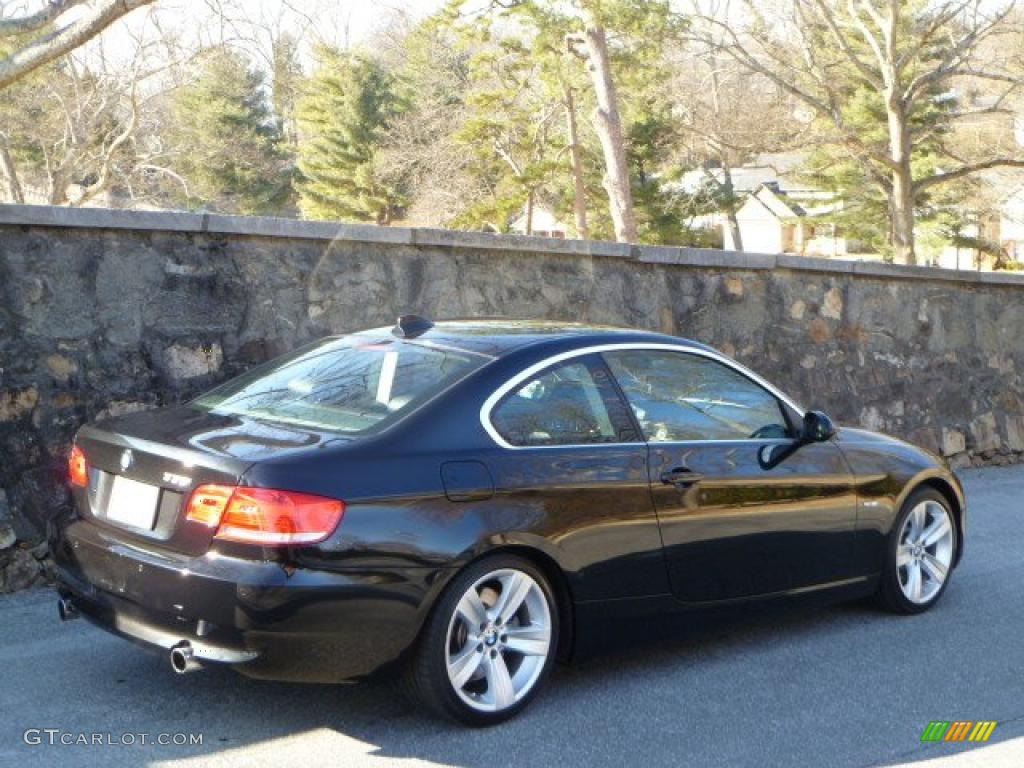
590, 362
498, 394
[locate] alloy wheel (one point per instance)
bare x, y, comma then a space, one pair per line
924, 555
498, 640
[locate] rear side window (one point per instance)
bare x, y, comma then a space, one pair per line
351, 385
563, 405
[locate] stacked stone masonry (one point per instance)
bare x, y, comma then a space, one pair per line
103, 312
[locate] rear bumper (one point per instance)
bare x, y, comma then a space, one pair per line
270, 620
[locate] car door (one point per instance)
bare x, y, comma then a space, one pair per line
572, 464
733, 528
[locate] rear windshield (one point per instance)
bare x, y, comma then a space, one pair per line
351, 384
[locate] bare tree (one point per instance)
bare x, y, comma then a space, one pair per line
84, 124
420, 150
907, 55
727, 115
47, 41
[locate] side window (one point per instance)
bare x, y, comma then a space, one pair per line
676, 396
563, 405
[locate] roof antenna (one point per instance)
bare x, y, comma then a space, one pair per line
411, 326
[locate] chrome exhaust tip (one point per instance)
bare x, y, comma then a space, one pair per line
66, 609
183, 660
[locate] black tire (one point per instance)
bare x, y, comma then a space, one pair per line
426, 676
890, 592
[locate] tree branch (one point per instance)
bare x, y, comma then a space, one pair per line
870, 76
20, 25
54, 45
734, 48
967, 170
110, 150
957, 56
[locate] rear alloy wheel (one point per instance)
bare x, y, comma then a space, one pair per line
921, 553
489, 644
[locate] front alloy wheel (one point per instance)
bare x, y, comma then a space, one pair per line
922, 552
495, 635
925, 553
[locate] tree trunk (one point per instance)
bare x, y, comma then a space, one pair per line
901, 211
529, 212
14, 190
579, 201
57, 194
608, 125
901, 198
730, 216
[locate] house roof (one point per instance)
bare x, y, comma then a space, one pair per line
779, 169
780, 205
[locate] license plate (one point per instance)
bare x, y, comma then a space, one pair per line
132, 503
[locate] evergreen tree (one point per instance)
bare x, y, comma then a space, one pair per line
511, 129
230, 149
342, 115
530, 89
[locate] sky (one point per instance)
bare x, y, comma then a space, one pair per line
247, 23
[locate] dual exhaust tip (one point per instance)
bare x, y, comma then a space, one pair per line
182, 656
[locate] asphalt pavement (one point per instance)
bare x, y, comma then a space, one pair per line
845, 686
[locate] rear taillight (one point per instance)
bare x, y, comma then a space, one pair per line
208, 502
78, 468
264, 516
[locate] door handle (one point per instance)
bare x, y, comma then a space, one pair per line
681, 477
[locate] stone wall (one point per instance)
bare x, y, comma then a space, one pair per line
103, 312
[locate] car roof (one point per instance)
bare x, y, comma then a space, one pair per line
499, 336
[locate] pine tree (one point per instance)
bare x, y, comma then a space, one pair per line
230, 150
528, 94
342, 115
865, 214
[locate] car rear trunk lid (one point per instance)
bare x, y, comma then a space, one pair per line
143, 467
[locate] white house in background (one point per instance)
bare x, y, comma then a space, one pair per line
781, 213
545, 223
780, 210
770, 221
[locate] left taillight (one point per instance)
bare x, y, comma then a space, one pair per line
78, 468
264, 516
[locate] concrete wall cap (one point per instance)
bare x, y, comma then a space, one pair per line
266, 226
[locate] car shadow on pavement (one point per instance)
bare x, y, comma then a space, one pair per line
846, 686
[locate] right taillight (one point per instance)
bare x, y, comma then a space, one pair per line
78, 468
207, 503
265, 516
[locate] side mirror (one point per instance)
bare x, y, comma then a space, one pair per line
818, 428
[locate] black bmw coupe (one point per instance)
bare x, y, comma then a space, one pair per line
469, 501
